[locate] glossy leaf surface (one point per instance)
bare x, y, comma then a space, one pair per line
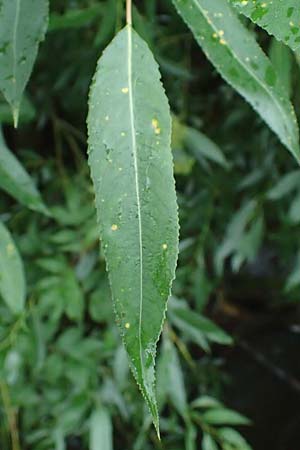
23, 24
131, 164
239, 59
278, 17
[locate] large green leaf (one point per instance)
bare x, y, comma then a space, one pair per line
15, 180
131, 164
279, 17
242, 63
23, 24
12, 280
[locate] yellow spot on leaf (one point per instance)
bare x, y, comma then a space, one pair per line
165, 246
127, 325
155, 126
114, 227
10, 250
125, 90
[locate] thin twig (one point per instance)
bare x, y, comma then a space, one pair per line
11, 416
129, 12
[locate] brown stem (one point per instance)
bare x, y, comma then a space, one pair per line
129, 12
11, 416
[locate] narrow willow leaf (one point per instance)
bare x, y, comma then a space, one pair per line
101, 430
23, 24
12, 280
131, 166
15, 180
233, 438
208, 443
242, 63
224, 416
197, 327
278, 17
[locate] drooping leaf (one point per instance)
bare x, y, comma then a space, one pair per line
197, 143
233, 438
208, 443
285, 185
131, 166
206, 402
23, 24
12, 280
101, 430
239, 59
278, 17
15, 180
75, 18
219, 416
293, 279
198, 328
235, 233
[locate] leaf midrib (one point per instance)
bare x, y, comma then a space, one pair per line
137, 187
15, 30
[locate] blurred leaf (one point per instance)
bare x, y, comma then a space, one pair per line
208, 443
198, 327
190, 438
120, 366
242, 63
72, 295
139, 237
285, 185
280, 18
23, 26
294, 210
12, 279
100, 430
203, 147
170, 380
75, 18
219, 416
233, 438
234, 233
16, 181
294, 277
206, 402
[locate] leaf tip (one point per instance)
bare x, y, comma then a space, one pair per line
16, 116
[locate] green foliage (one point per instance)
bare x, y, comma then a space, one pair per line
64, 373
129, 148
16, 181
100, 430
242, 63
277, 17
12, 281
23, 24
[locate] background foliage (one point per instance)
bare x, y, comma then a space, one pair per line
64, 377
